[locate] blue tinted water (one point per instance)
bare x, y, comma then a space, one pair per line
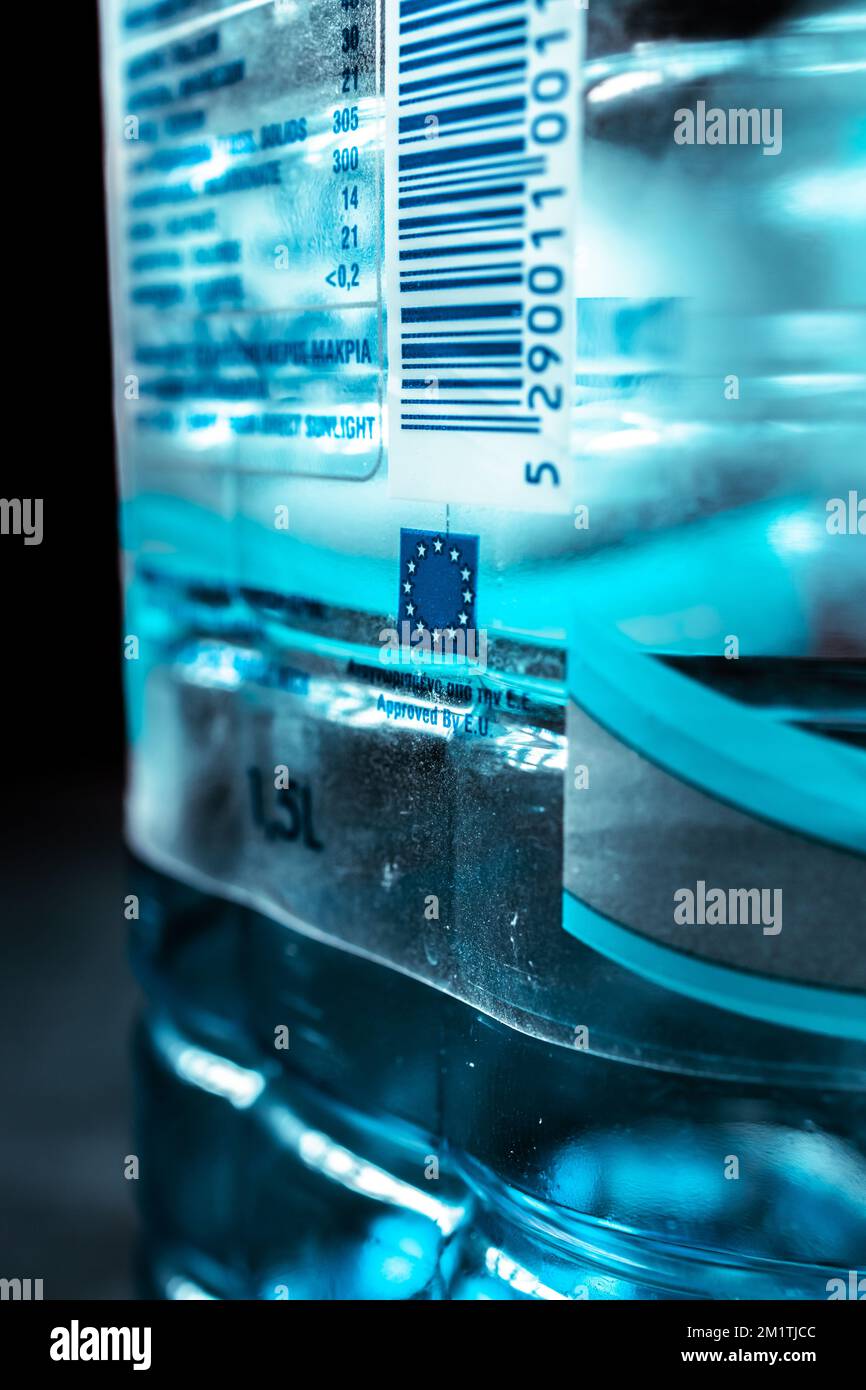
439, 1126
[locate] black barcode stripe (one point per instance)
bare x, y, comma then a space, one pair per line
442, 186
499, 227
476, 429
473, 129
462, 153
488, 150
507, 163
413, 7
425, 251
478, 217
411, 26
477, 333
519, 70
478, 50
440, 313
481, 31
478, 282
464, 195
511, 419
463, 383
422, 400
449, 270
476, 111
506, 168
505, 74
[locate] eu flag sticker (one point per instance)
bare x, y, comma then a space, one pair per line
438, 581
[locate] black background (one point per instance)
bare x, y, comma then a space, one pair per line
66, 996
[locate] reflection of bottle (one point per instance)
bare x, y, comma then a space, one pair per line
310, 1164
402, 1145
269, 319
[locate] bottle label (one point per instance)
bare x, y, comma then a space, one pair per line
362, 802
716, 850
243, 148
481, 161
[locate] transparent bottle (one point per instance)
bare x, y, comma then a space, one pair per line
287, 455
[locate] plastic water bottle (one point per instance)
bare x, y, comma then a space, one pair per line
490, 433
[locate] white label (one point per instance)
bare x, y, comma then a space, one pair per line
481, 160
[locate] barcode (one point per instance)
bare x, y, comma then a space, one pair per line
481, 170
